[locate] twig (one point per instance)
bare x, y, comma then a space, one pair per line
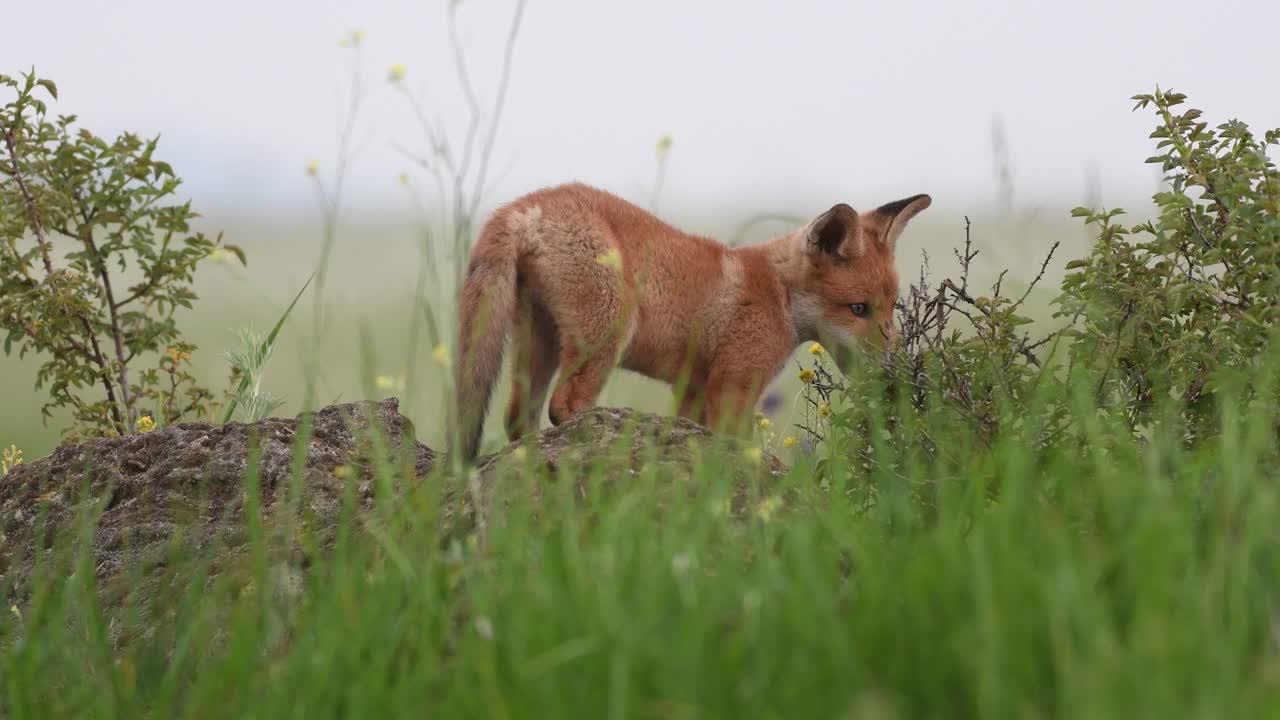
498, 104
1040, 275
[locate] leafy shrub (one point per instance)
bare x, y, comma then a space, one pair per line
1164, 306
964, 359
96, 261
1160, 317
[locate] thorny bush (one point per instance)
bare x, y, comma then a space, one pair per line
1156, 319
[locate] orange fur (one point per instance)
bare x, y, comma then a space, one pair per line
589, 281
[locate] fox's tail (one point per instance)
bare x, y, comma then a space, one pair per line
487, 310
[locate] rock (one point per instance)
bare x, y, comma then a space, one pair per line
602, 433
178, 492
183, 483
620, 444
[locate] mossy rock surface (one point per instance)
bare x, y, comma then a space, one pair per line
180, 489
167, 500
604, 449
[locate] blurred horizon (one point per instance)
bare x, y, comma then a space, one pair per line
771, 105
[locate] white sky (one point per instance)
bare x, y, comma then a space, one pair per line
770, 103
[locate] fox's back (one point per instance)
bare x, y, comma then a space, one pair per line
573, 237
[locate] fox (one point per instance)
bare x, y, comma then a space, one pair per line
583, 281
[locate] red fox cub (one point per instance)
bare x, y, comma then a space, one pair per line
589, 281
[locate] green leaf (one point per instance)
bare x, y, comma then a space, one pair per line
239, 253
50, 86
266, 344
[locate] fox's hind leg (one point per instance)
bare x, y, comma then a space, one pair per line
586, 360
536, 353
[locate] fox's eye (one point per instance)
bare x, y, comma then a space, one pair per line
859, 309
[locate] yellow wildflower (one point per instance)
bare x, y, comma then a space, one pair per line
789, 442
15, 611
824, 410
343, 471
764, 423
313, 167
351, 39
396, 73
441, 354
664, 145
767, 508
807, 376
10, 458
145, 424
612, 259
404, 178
388, 382
754, 454
816, 349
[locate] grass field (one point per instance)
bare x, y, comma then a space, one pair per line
1108, 578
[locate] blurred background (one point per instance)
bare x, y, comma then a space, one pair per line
711, 113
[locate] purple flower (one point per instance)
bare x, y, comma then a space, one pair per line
771, 403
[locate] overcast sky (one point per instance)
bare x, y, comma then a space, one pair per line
779, 102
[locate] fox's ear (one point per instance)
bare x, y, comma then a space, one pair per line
836, 232
893, 217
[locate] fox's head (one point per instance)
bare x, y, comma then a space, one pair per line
849, 285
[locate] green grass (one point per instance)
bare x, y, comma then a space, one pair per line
1107, 579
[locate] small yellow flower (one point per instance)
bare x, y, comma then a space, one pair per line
816, 349
441, 354
789, 442
313, 167
664, 145
824, 410
388, 382
177, 355
766, 509
612, 259
520, 453
764, 423
396, 73
145, 424
10, 458
351, 39
15, 611
404, 178
807, 376
343, 471
754, 454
